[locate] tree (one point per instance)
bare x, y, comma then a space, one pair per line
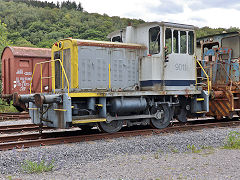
79, 7
3, 36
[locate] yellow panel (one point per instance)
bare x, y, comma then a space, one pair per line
88, 121
74, 65
86, 94
54, 48
66, 44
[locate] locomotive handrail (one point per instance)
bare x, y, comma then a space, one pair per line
208, 81
53, 76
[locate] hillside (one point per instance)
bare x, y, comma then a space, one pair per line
27, 25
40, 24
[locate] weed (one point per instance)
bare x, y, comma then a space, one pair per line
232, 140
37, 166
193, 149
156, 156
174, 150
206, 147
9, 177
40, 164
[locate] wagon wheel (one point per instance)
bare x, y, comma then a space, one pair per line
162, 118
112, 127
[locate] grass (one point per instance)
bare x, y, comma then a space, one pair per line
9, 177
37, 166
193, 149
174, 150
232, 140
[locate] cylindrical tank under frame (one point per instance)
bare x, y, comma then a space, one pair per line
126, 105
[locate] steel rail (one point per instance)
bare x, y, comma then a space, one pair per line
20, 128
13, 116
31, 140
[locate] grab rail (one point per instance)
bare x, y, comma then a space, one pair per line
53, 76
208, 81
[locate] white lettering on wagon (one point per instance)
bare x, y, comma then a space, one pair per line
28, 73
19, 71
22, 83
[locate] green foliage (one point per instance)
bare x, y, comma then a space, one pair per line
37, 167
205, 31
3, 36
44, 4
193, 149
232, 140
39, 24
9, 177
174, 150
4, 107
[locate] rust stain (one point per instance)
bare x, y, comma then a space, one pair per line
30, 52
111, 45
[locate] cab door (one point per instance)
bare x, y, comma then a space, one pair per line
179, 71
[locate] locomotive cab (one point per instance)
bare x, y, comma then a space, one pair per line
168, 64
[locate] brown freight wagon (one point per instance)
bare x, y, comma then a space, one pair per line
17, 68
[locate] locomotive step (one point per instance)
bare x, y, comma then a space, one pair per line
202, 78
203, 84
236, 109
200, 99
201, 112
235, 98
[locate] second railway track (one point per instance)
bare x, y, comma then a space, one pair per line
19, 128
72, 136
14, 116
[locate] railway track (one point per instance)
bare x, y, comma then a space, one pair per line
20, 128
72, 136
14, 116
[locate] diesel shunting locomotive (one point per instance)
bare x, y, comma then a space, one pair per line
147, 74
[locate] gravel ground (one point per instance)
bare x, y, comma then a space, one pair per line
164, 156
10, 122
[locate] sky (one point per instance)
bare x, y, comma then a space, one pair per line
212, 13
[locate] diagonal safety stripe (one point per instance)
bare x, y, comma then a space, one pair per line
212, 104
223, 108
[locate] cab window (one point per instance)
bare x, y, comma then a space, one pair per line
154, 40
190, 42
183, 42
168, 40
175, 41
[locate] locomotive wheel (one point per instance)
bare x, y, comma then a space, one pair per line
182, 117
112, 127
163, 120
